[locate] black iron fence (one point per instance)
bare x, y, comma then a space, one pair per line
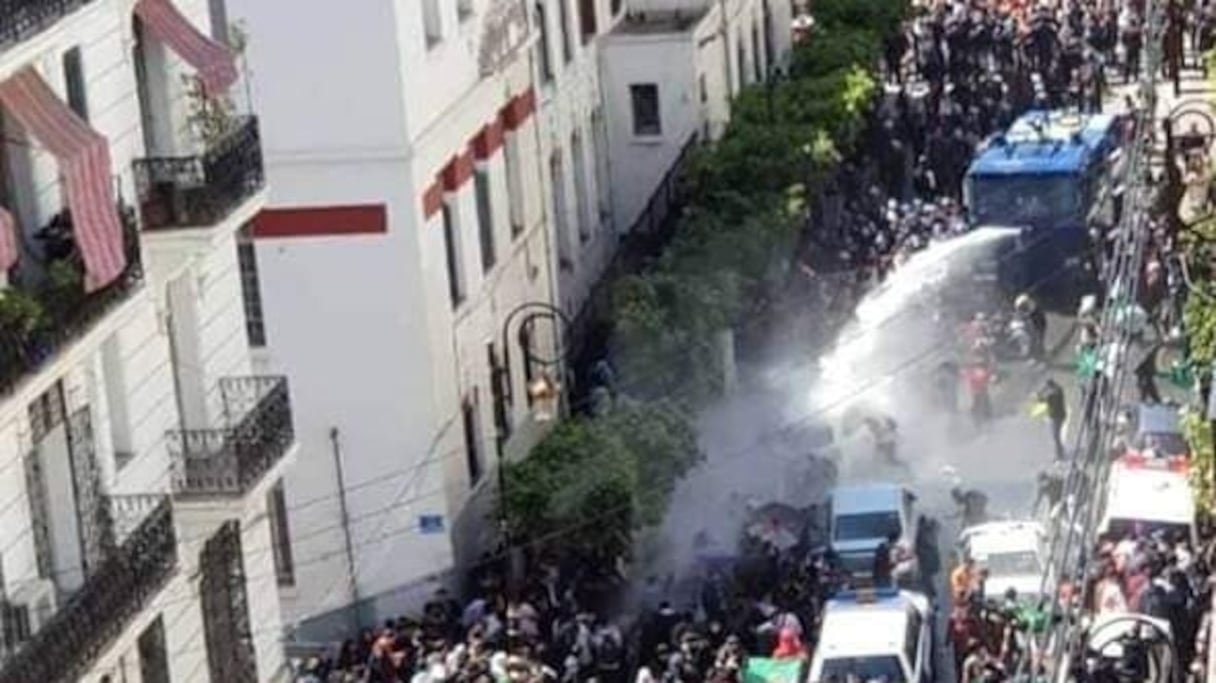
97, 614
230, 460
40, 317
21, 19
192, 191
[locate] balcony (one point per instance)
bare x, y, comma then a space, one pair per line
229, 461
200, 191
44, 314
21, 19
97, 614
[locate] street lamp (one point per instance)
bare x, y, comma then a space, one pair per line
544, 394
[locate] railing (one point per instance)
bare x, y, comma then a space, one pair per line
39, 320
21, 19
98, 613
229, 461
178, 192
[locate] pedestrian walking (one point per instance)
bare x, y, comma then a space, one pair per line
1052, 395
978, 380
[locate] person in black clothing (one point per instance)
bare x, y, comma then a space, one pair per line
882, 563
1057, 411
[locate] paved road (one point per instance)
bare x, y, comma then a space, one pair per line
757, 439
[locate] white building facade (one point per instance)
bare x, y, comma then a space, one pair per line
574, 140
140, 457
669, 72
407, 222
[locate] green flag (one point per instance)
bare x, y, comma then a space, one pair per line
768, 670
1087, 363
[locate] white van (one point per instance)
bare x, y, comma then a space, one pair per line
1147, 495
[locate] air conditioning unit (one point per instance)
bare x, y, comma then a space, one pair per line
27, 610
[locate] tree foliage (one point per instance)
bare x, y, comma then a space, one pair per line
736, 237
747, 198
601, 478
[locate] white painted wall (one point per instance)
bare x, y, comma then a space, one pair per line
121, 368
393, 383
570, 104
639, 163
698, 73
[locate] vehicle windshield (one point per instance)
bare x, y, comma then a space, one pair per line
1024, 200
1139, 528
867, 525
1163, 443
1017, 563
880, 668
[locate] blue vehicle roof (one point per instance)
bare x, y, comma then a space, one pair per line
1044, 143
852, 500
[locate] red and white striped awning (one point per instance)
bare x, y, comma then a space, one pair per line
8, 241
215, 63
84, 163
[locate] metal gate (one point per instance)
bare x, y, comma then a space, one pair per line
228, 635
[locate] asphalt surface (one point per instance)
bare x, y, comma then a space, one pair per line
757, 442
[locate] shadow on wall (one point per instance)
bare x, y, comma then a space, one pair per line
325, 632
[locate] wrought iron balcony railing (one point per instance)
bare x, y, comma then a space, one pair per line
42, 315
230, 460
97, 614
21, 19
193, 191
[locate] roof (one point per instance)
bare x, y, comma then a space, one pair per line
1002, 537
1149, 494
852, 500
660, 21
1043, 142
855, 629
1158, 419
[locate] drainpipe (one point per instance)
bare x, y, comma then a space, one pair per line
344, 512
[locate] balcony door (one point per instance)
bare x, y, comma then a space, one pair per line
70, 517
189, 380
226, 627
153, 86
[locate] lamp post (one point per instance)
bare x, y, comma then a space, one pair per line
544, 394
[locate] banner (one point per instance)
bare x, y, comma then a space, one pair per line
766, 670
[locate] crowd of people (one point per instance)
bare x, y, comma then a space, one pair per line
962, 70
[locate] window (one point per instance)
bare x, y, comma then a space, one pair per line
114, 378
870, 668
472, 439
587, 19
582, 204
563, 15
515, 192
451, 246
616, 6
485, 217
757, 64
525, 342
73, 79
280, 535
432, 23
500, 391
646, 118
1025, 199
464, 9
153, 659
544, 59
557, 178
741, 58
218, 10
251, 288
864, 526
